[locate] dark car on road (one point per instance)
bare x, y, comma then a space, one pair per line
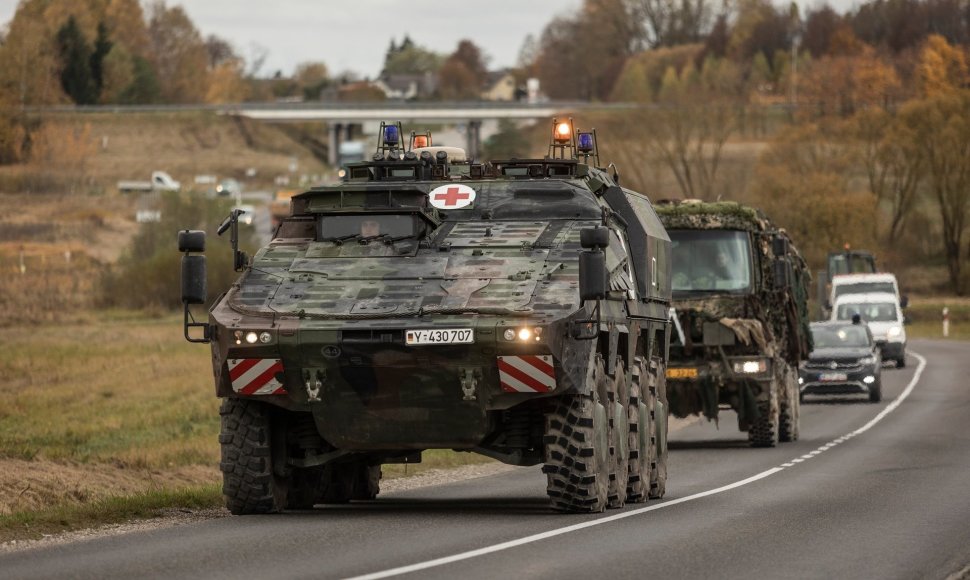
845, 360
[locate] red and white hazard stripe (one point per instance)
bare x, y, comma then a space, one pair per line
256, 376
526, 374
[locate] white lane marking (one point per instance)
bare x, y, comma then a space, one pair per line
623, 515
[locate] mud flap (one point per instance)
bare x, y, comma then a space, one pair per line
748, 412
661, 427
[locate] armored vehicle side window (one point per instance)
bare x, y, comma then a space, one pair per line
366, 225
710, 261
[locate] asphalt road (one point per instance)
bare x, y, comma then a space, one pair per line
870, 491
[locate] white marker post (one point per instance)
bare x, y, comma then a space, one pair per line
946, 322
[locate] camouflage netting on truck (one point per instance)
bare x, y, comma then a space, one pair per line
721, 215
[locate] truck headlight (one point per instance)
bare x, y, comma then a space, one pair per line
750, 367
894, 331
523, 334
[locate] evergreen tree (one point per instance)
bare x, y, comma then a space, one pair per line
75, 55
102, 46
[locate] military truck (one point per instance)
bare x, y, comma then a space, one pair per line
516, 308
740, 291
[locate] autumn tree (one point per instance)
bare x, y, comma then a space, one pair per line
695, 113
180, 55
853, 77
463, 73
942, 68
803, 182
940, 129
673, 22
820, 26
894, 165
573, 63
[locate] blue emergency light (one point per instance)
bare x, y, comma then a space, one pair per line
585, 142
391, 136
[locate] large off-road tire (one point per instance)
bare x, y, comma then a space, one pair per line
640, 451
249, 483
577, 451
658, 472
789, 417
764, 431
901, 361
618, 396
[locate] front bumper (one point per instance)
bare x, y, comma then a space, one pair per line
839, 382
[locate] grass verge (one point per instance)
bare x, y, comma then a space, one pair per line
32, 525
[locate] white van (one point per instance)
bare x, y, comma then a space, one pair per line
866, 284
882, 312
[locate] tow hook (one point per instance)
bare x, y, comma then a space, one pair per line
469, 384
313, 386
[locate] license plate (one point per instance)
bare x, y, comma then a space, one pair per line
686, 373
831, 377
440, 336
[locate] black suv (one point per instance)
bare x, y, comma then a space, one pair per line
845, 360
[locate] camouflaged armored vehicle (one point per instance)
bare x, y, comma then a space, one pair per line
741, 318
518, 309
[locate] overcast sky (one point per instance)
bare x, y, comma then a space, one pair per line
354, 34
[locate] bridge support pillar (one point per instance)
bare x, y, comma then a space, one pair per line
333, 143
473, 137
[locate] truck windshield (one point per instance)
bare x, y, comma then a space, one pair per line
841, 336
710, 261
870, 312
864, 288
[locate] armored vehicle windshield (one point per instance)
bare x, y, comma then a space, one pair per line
710, 261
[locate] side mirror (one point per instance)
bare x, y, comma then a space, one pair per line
194, 272
592, 275
594, 238
191, 241
779, 246
193, 279
903, 301
781, 274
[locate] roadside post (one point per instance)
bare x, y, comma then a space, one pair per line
946, 322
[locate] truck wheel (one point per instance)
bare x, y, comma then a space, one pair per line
788, 426
875, 392
764, 431
368, 483
618, 397
658, 475
640, 452
901, 361
577, 451
249, 483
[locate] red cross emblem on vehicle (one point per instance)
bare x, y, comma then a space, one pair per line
452, 196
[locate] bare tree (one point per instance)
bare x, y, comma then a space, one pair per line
671, 22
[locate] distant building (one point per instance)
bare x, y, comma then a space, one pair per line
500, 85
408, 87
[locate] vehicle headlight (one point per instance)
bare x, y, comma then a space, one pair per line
252, 337
523, 334
867, 360
750, 367
894, 331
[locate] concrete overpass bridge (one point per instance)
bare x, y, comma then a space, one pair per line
341, 117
